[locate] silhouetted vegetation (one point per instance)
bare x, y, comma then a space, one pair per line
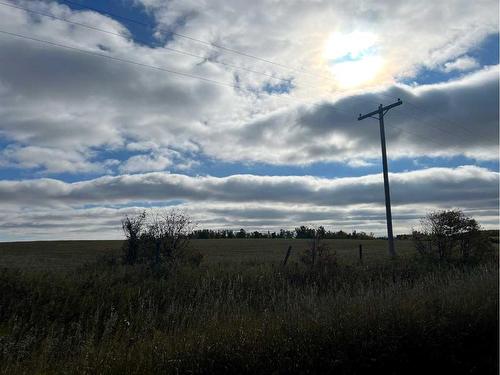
302, 232
158, 236
317, 314
251, 318
448, 234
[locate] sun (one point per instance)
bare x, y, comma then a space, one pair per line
353, 58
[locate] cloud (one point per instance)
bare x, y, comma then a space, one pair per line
64, 111
146, 163
442, 31
467, 183
50, 160
48, 207
359, 163
455, 118
461, 64
84, 106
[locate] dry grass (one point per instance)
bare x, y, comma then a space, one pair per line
248, 315
60, 255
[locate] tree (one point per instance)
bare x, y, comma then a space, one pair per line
133, 228
305, 232
318, 253
241, 233
448, 232
157, 235
170, 232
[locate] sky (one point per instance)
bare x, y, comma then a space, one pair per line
244, 114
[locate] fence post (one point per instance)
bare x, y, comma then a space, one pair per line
360, 253
287, 255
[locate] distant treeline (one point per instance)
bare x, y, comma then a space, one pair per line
299, 232
492, 234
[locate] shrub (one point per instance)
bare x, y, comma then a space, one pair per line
133, 228
450, 233
157, 236
318, 254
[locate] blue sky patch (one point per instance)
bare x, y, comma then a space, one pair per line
486, 54
128, 12
283, 87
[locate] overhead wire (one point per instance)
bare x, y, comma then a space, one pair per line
180, 74
139, 40
188, 37
143, 65
336, 108
235, 51
421, 109
185, 53
427, 122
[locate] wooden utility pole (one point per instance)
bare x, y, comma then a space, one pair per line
379, 114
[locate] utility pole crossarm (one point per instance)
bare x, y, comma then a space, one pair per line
380, 109
379, 114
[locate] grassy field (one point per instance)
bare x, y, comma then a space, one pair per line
240, 312
60, 255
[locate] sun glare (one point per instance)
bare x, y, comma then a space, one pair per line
353, 58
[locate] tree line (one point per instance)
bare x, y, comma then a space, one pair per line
162, 236
302, 232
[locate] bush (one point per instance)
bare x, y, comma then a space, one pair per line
133, 228
449, 234
157, 236
318, 254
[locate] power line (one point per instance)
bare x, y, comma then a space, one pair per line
185, 53
186, 75
180, 74
187, 37
429, 123
406, 131
183, 75
136, 63
454, 123
285, 80
423, 137
231, 50
118, 59
424, 121
143, 41
420, 108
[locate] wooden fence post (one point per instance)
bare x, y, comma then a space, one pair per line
360, 253
287, 255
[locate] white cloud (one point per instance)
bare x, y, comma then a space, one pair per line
407, 35
63, 111
78, 102
145, 163
51, 207
51, 160
461, 64
359, 163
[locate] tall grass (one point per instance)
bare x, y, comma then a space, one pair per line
404, 317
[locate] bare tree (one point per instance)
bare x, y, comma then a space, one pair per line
318, 253
170, 231
133, 227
